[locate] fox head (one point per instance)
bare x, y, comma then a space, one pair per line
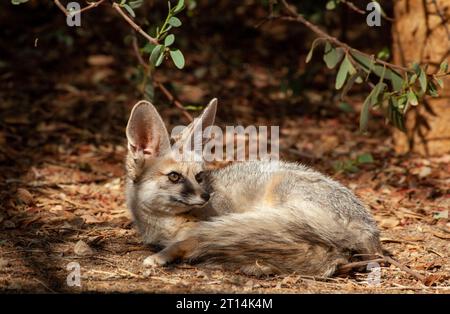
158, 179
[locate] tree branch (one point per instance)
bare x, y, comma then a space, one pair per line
353, 7
294, 16
158, 84
173, 100
91, 5
116, 7
61, 7
136, 27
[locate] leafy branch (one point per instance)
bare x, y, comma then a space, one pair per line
160, 43
158, 46
398, 88
332, 4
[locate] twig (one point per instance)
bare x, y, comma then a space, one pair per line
44, 285
294, 16
61, 7
353, 7
138, 54
172, 99
405, 269
136, 27
164, 90
88, 7
382, 258
344, 269
116, 7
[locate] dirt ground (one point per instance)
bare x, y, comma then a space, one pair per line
62, 146
59, 194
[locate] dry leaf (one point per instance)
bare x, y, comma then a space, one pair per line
25, 196
389, 222
100, 60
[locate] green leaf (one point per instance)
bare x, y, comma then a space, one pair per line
397, 82
332, 56
413, 79
359, 80
369, 65
331, 5
129, 10
372, 99
346, 107
345, 68
17, 2
384, 54
412, 98
350, 82
440, 82
376, 92
395, 116
432, 89
345, 165
160, 59
179, 6
169, 40
366, 158
364, 116
136, 3
311, 51
423, 81
148, 48
444, 67
416, 67
156, 52
178, 58
401, 103
174, 21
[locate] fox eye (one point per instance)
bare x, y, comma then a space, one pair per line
174, 177
199, 177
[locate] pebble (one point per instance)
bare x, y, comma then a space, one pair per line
82, 249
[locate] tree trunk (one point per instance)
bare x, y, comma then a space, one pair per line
420, 34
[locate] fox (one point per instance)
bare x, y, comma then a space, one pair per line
258, 217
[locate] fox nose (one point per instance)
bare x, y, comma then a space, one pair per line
205, 196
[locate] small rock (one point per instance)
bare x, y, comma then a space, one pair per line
82, 249
424, 172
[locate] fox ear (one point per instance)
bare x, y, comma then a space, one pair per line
209, 114
146, 133
203, 121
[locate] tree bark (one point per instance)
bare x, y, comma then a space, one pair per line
421, 34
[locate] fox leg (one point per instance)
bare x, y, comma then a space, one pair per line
171, 253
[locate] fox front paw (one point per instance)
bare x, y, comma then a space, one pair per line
154, 260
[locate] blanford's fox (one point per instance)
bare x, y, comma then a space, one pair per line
261, 217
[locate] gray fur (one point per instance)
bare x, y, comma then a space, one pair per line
263, 217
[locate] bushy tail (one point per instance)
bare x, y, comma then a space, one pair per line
266, 243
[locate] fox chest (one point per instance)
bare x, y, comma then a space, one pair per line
162, 230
